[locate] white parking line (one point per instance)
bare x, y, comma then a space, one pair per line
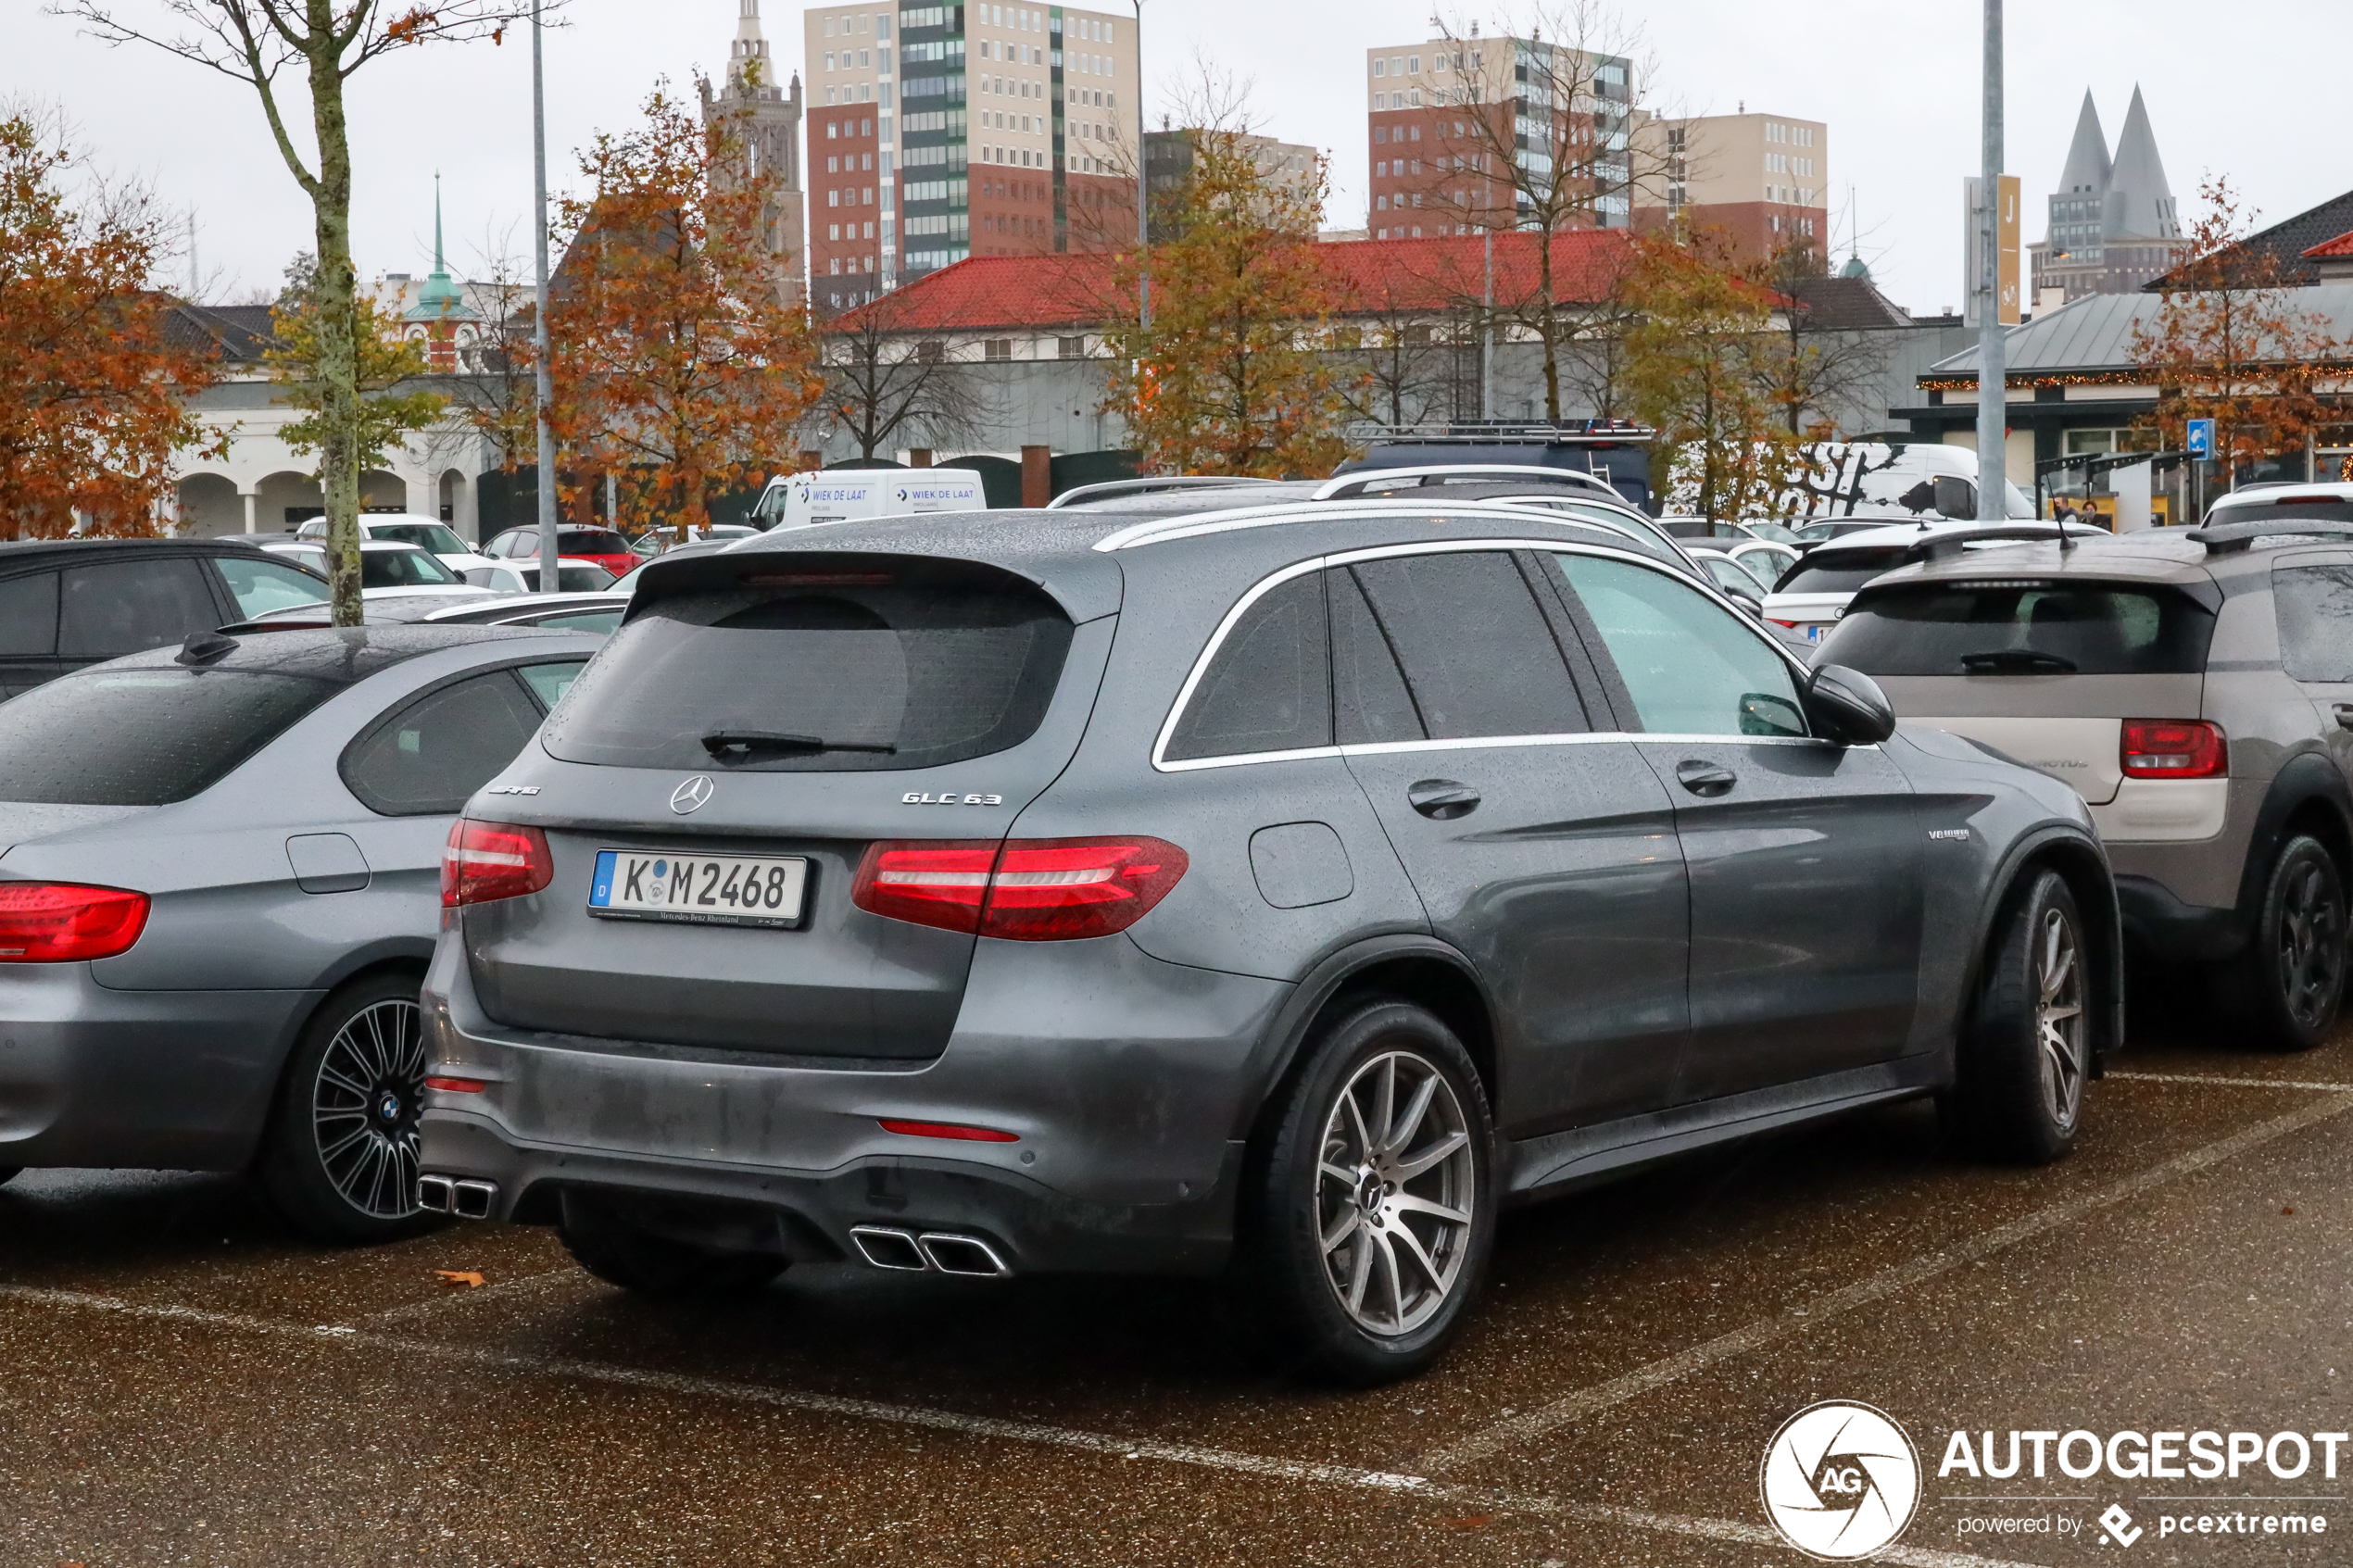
1863, 1292
1228, 1460
496, 1290
2228, 1083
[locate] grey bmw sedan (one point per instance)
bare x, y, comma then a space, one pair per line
220, 885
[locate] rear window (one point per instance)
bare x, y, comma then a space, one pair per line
1841, 571
591, 541
402, 569
832, 678
2021, 629
436, 536
143, 738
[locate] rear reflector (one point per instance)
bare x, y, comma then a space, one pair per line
485, 862
60, 922
456, 1086
945, 1129
1022, 890
2174, 749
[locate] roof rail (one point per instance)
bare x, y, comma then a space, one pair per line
1157, 531
1147, 485
1940, 546
2227, 538
1354, 484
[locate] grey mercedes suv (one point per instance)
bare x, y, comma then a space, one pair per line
1280, 889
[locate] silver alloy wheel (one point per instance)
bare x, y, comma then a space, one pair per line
1396, 1183
2059, 1017
2311, 945
364, 1104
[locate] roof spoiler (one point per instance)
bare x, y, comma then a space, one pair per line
2225, 538
1944, 545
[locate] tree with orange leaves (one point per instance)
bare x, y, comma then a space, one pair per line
1231, 375
683, 356
2229, 343
1700, 370
93, 397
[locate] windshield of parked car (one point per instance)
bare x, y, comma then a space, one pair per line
822, 679
144, 737
403, 568
438, 537
2021, 627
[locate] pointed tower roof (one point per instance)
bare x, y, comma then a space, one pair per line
2140, 203
441, 300
751, 45
2087, 167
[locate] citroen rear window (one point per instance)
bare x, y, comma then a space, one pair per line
1831, 570
819, 673
143, 736
2051, 627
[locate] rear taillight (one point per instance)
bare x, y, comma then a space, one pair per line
490, 860
1024, 890
59, 923
2174, 749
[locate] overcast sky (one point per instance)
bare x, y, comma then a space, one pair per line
2252, 89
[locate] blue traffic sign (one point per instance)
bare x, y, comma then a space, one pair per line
2199, 441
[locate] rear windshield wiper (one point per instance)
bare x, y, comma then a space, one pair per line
2017, 661
737, 745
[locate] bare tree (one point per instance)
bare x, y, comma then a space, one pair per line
1539, 137
328, 41
885, 379
1816, 370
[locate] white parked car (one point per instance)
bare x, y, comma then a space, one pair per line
405, 528
1809, 600
386, 566
522, 577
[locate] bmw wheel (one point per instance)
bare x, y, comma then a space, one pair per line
2028, 1050
1372, 1217
2291, 979
341, 1159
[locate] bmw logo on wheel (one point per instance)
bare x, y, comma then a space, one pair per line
692, 795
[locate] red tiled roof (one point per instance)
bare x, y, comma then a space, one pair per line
1038, 292
2341, 245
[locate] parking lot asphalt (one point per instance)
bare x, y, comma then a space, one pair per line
188, 1383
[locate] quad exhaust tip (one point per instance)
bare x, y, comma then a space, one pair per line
942, 1251
466, 1199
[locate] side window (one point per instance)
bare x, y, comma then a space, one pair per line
29, 615
262, 585
1370, 703
1477, 654
430, 755
549, 682
2315, 607
1269, 686
1690, 667
130, 606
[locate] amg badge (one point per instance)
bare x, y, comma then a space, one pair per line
913, 798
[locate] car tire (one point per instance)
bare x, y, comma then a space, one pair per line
339, 1161
2027, 1051
1364, 1243
2290, 981
645, 1265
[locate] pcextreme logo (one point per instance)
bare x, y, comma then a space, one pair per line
1839, 1480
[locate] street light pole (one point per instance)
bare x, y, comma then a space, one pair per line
1993, 398
1143, 186
543, 380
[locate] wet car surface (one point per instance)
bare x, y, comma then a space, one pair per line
189, 1381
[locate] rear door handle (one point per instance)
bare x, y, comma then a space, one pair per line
1441, 800
2345, 715
1705, 779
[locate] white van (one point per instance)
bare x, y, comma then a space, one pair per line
1926, 479
799, 500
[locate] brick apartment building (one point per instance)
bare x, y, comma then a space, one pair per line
1760, 181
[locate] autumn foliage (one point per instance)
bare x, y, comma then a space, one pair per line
682, 359
1230, 376
93, 397
1702, 369
2229, 345
385, 362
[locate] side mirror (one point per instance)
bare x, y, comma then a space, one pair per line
1846, 705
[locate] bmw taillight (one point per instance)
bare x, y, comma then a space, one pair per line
2174, 749
1023, 890
485, 862
60, 922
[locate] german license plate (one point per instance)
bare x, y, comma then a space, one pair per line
705, 889
1814, 633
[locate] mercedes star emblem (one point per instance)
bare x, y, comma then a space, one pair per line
690, 796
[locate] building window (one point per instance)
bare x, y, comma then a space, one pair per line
1070, 347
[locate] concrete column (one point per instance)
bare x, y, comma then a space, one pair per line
252, 499
1036, 475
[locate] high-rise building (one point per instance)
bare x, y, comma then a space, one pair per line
770, 131
950, 131
1440, 114
1760, 181
2112, 223
1168, 159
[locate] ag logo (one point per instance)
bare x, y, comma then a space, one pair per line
1839, 1480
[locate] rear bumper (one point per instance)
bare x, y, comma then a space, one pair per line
164, 1080
1126, 1083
